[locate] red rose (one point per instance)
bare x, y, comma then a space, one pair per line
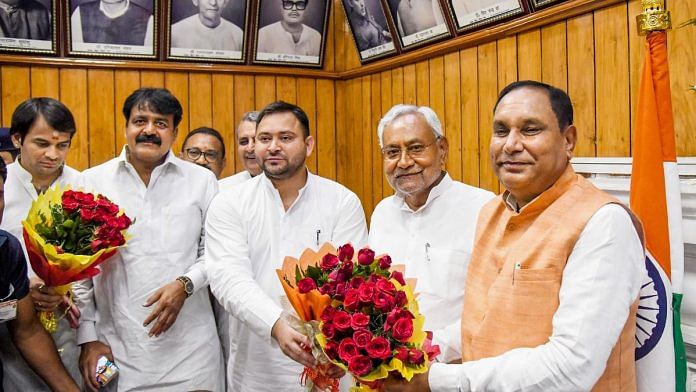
86, 200
362, 338
360, 365
347, 269
402, 329
366, 256
87, 215
342, 321
340, 291
345, 252
359, 321
379, 348
394, 316
347, 350
416, 357
328, 314
365, 292
97, 245
402, 354
328, 262
351, 301
357, 281
70, 204
328, 330
385, 262
401, 299
306, 285
328, 289
384, 302
385, 286
399, 277
331, 350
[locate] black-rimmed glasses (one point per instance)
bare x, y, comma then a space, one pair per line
289, 4
194, 153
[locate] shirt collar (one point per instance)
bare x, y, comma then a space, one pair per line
116, 14
435, 192
170, 159
548, 196
269, 185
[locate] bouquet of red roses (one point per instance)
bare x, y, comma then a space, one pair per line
68, 234
371, 325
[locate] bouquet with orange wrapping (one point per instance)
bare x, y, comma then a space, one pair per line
67, 235
365, 317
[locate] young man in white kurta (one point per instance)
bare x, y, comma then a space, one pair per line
32, 132
250, 230
429, 224
166, 242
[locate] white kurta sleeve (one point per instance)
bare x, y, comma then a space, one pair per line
600, 283
83, 292
197, 272
449, 339
230, 271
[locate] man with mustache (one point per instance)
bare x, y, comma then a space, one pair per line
428, 224
552, 287
289, 35
207, 29
149, 310
246, 131
42, 129
204, 147
250, 229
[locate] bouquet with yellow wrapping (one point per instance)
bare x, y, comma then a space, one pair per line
371, 326
68, 234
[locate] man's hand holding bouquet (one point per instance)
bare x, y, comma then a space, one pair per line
67, 235
360, 314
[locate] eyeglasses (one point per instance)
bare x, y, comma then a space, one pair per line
300, 5
416, 150
194, 153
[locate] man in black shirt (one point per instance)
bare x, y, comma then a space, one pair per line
17, 312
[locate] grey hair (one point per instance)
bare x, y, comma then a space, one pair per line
399, 110
252, 116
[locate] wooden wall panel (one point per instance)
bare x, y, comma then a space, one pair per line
152, 79
75, 97
376, 115
200, 102
529, 55
327, 125
125, 82
468, 62
392, 93
613, 102
306, 99
101, 129
581, 87
488, 88
16, 88
452, 121
265, 90
223, 117
554, 66
45, 82
178, 84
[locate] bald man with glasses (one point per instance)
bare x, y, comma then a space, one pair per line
290, 35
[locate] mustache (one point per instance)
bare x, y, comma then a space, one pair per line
142, 138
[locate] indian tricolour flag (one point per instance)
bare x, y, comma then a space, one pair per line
655, 198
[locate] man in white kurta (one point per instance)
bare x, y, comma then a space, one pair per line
428, 225
246, 131
44, 145
207, 29
250, 229
275, 39
168, 206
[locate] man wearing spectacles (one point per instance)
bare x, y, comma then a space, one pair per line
205, 147
290, 35
428, 225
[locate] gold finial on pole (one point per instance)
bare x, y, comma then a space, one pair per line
654, 17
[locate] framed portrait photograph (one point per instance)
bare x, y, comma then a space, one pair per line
291, 32
418, 21
536, 4
368, 25
115, 28
207, 29
470, 14
28, 26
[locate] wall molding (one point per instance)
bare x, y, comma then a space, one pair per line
537, 19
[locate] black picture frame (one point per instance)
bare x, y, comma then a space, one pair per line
117, 36
189, 39
369, 28
39, 35
468, 15
418, 22
274, 45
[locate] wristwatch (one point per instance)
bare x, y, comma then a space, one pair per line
187, 283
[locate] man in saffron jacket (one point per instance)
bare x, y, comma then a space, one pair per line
552, 287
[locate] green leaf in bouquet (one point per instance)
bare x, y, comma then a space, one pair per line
69, 224
298, 274
314, 272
